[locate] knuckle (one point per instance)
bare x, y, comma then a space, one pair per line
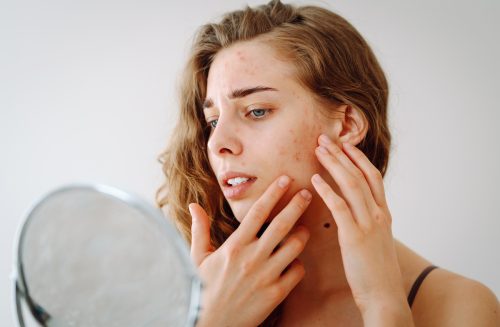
247, 267
376, 175
336, 150
355, 238
277, 293
259, 208
358, 174
379, 216
281, 228
299, 203
352, 183
389, 220
258, 285
300, 270
337, 201
296, 244
233, 250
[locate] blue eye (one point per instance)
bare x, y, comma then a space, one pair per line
258, 113
212, 123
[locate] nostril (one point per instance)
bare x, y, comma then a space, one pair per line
224, 143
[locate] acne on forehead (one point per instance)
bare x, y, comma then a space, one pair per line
240, 55
255, 52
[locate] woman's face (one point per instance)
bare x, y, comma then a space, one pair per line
266, 125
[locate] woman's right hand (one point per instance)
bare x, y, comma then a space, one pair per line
244, 279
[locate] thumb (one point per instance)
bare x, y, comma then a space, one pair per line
201, 246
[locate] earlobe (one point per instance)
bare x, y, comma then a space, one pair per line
354, 125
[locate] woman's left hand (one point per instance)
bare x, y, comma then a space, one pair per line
364, 231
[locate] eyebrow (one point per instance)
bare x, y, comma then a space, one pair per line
240, 93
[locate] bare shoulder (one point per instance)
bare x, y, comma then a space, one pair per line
448, 299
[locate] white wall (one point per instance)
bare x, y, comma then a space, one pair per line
87, 93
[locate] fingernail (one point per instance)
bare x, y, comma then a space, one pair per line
325, 139
303, 233
190, 209
284, 181
306, 195
316, 178
322, 149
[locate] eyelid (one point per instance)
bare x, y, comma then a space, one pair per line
268, 111
207, 119
208, 122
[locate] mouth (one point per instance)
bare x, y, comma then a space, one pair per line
234, 185
235, 181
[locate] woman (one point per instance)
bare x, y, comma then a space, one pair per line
274, 174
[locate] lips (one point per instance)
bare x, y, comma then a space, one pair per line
236, 191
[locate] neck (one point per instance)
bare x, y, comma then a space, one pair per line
321, 257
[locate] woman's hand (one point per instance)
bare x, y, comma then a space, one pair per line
364, 231
244, 280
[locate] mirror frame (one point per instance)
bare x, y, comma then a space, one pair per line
20, 290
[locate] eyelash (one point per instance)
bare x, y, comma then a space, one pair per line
267, 111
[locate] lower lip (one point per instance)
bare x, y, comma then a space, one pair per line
235, 192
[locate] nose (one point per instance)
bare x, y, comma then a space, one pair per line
225, 138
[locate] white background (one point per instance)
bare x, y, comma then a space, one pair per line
87, 94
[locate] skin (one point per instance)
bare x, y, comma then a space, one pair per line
345, 266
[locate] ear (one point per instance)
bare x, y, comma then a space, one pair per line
353, 126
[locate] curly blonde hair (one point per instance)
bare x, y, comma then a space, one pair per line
331, 59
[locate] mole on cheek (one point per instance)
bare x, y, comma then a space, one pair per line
326, 225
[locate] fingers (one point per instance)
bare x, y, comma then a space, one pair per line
289, 250
201, 246
287, 282
260, 210
352, 172
371, 173
340, 211
284, 222
351, 187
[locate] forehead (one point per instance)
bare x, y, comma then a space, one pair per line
247, 64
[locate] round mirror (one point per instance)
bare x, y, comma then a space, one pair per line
97, 256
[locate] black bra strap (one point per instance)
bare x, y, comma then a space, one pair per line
418, 282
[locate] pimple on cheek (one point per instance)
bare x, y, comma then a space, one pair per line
297, 156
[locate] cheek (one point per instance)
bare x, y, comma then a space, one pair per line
214, 163
298, 149
210, 161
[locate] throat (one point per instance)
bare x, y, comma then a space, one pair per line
336, 309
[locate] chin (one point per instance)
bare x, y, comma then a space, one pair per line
240, 210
